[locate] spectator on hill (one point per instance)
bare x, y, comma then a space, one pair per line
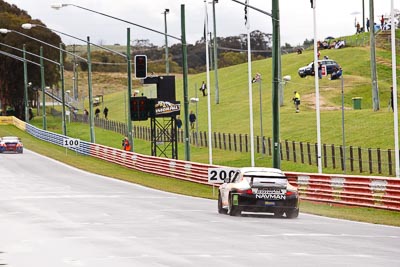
125, 144
296, 101
192, 119
30, 113
97, 112
178, 122
319, 70
85, 115
203, 88
336, 73
105, 112
382, 22
367, 24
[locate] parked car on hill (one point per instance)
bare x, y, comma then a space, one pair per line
256, 189
309, 69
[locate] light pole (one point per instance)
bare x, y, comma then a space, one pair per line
343, 131
374, 77
42, 85
184, 58
363, 15
258, 79
394, 84
215, 54
26, 84
316, 83
166, 11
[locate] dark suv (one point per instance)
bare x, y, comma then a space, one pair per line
309, 69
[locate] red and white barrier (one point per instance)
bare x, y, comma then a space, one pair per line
365, 191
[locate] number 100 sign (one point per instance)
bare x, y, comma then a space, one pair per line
71, 142
218, 175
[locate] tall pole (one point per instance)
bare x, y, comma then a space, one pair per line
166, 42
129, 60
64, 125
249, 84
215, 55
363, 14
91, 115
261, 120
43, 89
375, 93
276, 156
185, 84
343, 131
75, 75
316, 81
394, 84
210, 158
25, 84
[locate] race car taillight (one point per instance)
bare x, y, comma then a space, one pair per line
245, 191
290, 193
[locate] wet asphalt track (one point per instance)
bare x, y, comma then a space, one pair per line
52, 215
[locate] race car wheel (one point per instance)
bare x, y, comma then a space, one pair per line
221, 210
233, 210
292, 213
278, 214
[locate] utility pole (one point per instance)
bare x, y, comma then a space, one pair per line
166, 11
215, 54
276, 155
363, 15
375, 92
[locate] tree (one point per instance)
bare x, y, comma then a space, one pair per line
11, 70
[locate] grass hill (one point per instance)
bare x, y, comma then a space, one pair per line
364, 127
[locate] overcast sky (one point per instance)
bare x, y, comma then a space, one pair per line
334, 18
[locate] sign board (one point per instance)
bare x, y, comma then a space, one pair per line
71, 142
167, 109
218, 175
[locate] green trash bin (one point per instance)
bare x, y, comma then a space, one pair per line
357, 102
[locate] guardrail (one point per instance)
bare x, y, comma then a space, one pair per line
363, 191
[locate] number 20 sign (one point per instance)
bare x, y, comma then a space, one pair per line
71, 142
218, 175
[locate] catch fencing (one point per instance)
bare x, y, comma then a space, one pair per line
363, 191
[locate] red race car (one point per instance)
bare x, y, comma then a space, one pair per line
11, 144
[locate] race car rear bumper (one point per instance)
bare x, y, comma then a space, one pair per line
250, 203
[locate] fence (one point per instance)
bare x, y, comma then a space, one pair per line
376, 192
357, 160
